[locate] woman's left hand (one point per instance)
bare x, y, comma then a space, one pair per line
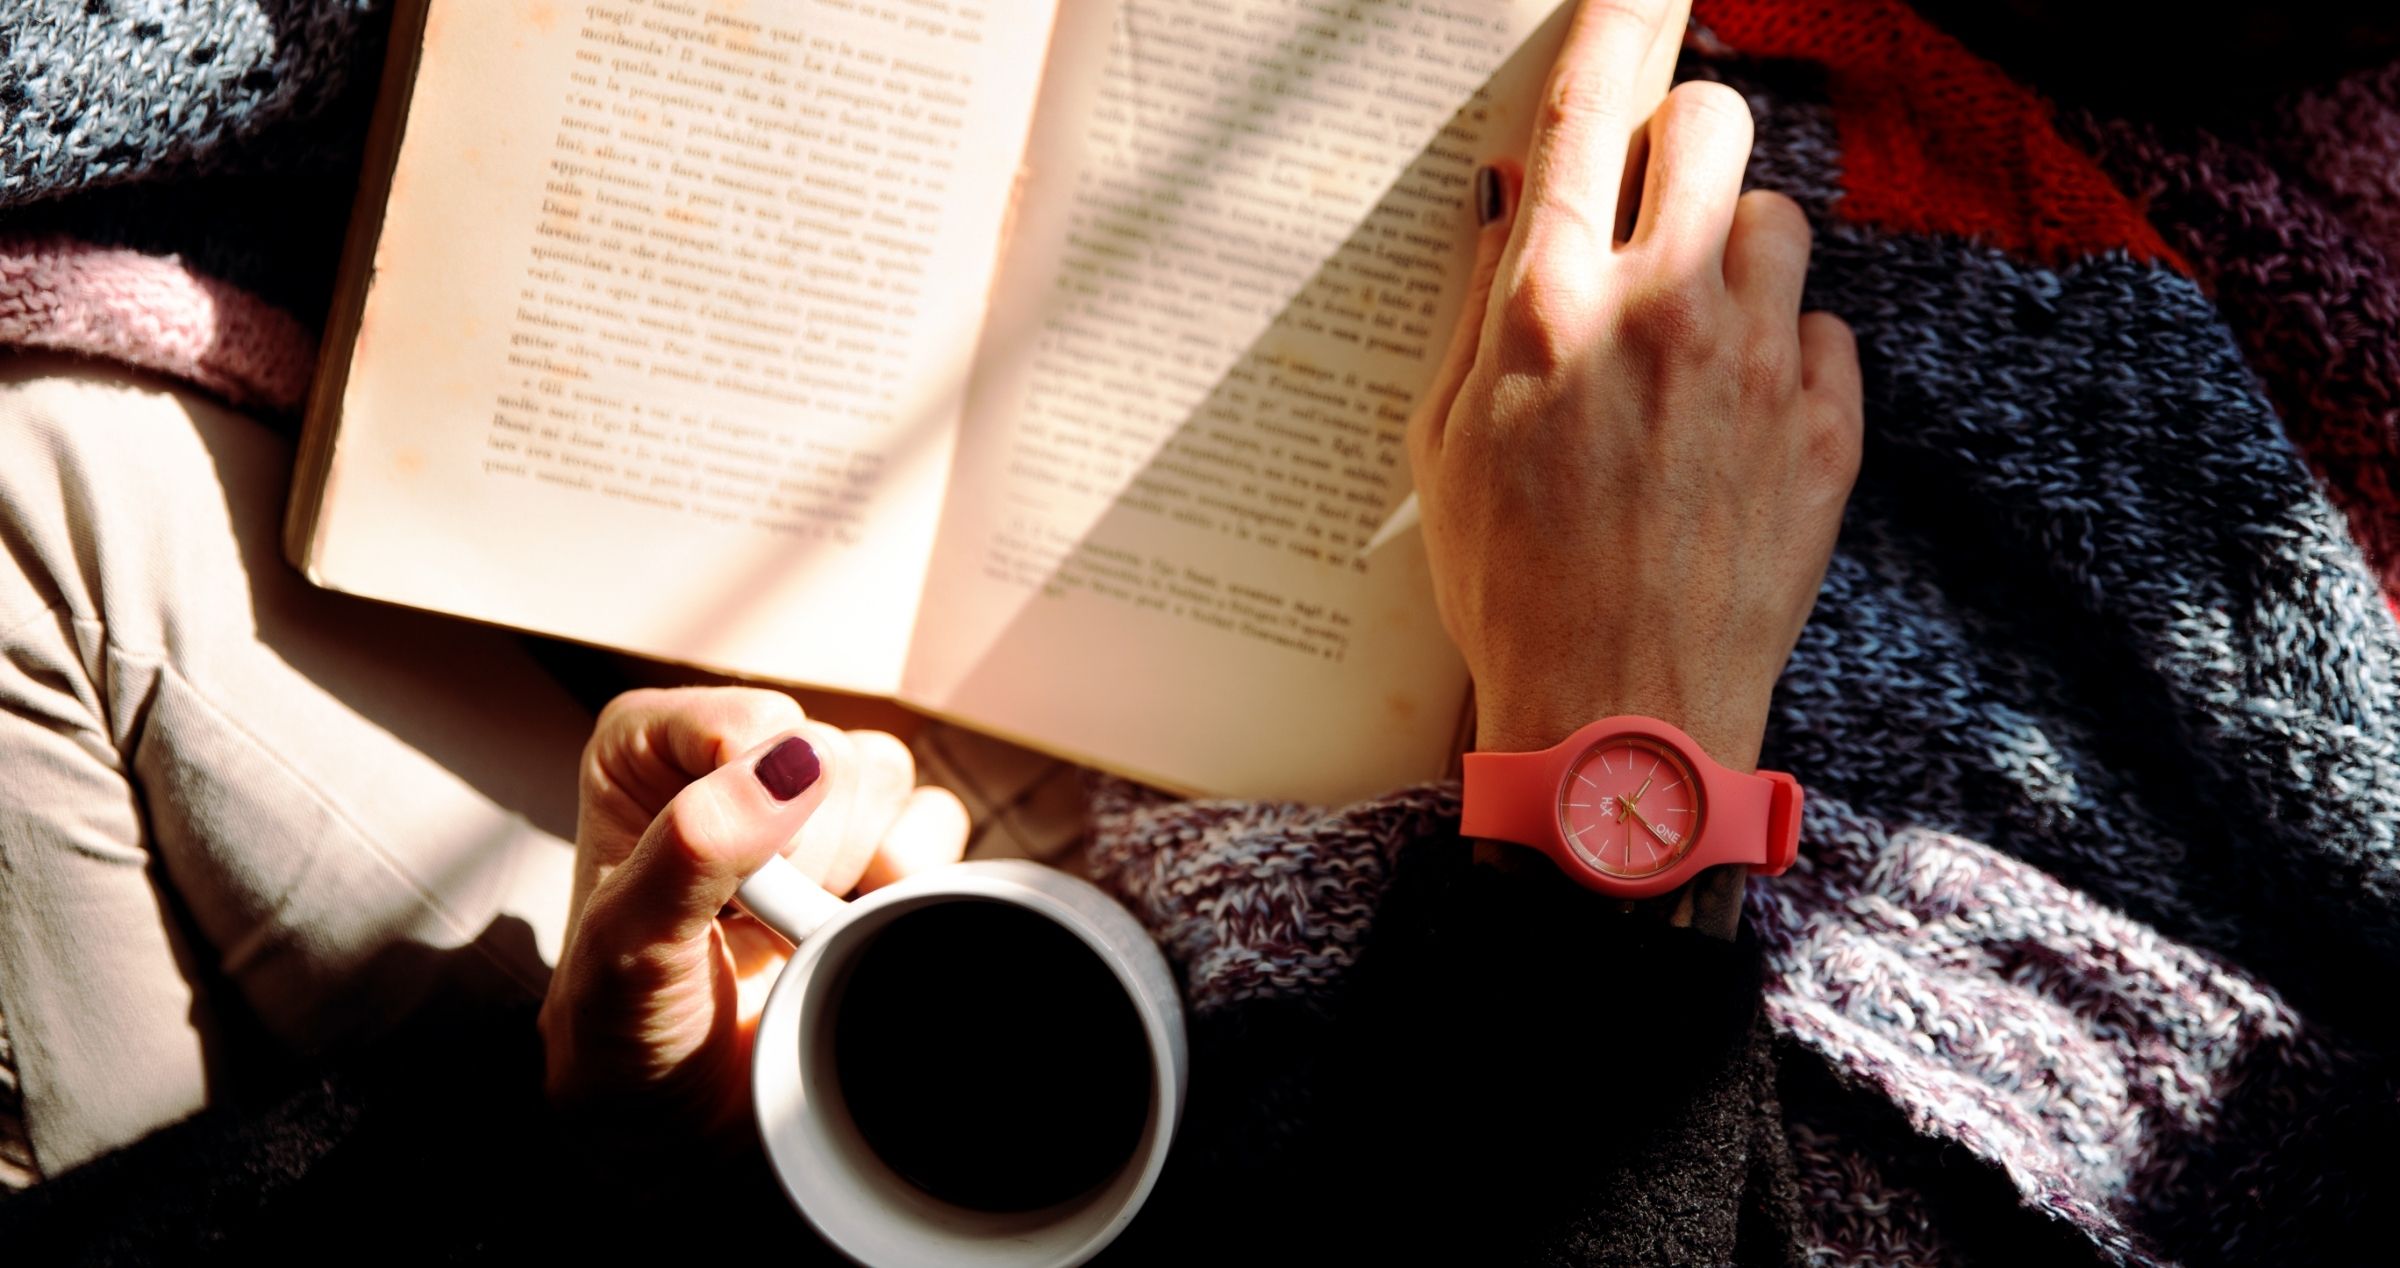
646, 1029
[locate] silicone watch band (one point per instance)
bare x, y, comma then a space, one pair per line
1752, 820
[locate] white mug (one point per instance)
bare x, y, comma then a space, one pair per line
852, 1197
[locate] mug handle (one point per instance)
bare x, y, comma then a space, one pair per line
781, 897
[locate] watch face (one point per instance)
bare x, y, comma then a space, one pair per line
1631, 807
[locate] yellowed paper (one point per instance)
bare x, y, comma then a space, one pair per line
1245, 234
670, 321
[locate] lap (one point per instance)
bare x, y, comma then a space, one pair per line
229, 790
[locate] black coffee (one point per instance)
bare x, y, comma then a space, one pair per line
990, 1057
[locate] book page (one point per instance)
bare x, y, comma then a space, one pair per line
670, 321
1244, 238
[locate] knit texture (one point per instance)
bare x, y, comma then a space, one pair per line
101, 92
221, 138
152, 314
1934, 140
1392, 1116
2294, 226
2099, 714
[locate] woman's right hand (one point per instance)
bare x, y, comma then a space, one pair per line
1634, 461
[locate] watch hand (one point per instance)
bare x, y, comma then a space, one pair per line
1637, 818
1637, 793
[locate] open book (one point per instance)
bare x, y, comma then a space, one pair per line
1042, 365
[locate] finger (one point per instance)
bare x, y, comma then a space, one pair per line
930, 832
1766, 255
1616, 62
650, 743
1658, 77
1699, 146
818, 848
709, 838
645, 746
1829, 364
1494, 198
886, 773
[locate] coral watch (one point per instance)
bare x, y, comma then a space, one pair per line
1631, 807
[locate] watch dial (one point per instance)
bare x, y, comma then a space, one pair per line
1631, 807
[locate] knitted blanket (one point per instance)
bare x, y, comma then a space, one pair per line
2099, 713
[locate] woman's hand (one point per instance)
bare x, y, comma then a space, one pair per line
1634, 461
685, 792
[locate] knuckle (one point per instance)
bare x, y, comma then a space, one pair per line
729, 719
1620, 26
1834, 333
626, 703
1707, 104
692, 829
1580, 97
1774, 212
618, 969
761, 712
1671, 319
1769, 368
1539, 318
1640, 15
591, 771
1835, 440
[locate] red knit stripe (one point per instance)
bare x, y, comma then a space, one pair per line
1936, 140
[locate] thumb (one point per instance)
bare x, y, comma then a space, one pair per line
1492, 197
711, 837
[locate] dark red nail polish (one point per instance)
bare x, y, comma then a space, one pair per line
1491, 201
788, 769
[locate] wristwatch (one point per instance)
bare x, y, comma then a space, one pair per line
1631, 807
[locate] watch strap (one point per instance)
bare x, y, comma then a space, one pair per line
1742, 813
1783, 823
1512, 796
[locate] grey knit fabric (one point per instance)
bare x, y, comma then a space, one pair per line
226, 132
98, 92
2099, 718
2090, 608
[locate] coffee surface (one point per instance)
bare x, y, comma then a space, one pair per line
990, 1057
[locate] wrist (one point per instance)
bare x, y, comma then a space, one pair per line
1712, 902
1523, 722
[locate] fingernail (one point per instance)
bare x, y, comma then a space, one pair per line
1491, 201
788, 769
